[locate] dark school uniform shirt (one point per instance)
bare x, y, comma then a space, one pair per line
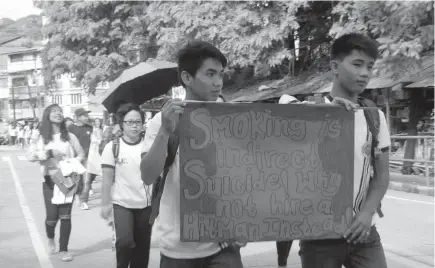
83, 134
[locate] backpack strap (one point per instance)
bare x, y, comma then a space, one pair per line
159, 185
373, 123
115, 148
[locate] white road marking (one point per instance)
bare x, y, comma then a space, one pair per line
409, 200
43, 258
22, 157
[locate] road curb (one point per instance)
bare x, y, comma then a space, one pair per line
411, 188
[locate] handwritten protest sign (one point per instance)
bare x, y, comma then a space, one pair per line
260, 172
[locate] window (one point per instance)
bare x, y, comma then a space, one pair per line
57, 99
76, 98
3, 104
58, 77
3, 82
16, 58
25, 105
29, 57
19, 81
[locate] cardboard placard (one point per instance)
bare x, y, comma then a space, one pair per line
65, 184
265, 172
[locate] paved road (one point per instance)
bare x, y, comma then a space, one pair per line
407, 230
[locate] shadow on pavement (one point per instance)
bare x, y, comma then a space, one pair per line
99, 246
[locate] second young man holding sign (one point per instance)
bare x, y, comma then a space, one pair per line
353, 56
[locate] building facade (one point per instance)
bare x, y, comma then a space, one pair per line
24, 83
22, 90
70, 95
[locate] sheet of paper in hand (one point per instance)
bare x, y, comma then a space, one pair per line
265, 172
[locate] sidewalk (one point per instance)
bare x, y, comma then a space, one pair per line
410, 183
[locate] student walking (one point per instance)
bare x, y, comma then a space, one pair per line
93, 166
12, 133
124, 193
82, 130
56, 142
20, 135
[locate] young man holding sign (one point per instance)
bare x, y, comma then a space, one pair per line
201, 68
353, 56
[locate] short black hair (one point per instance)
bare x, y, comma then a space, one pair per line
191, 57
124, 109
345, 44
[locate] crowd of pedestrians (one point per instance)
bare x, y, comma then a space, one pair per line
19, 133
139, 168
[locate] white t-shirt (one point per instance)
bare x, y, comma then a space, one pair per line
128, 189
362, 155
12, 131
20, 133
169, 214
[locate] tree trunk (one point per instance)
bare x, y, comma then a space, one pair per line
416, 99
292, 47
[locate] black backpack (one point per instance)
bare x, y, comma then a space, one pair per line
373, 122
159, 184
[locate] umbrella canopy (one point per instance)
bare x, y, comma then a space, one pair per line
141, 83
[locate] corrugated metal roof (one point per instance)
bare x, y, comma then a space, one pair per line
325, 89
322, 83
425, 83
375, 83
287, 86
17, 50
6, 50
421, 72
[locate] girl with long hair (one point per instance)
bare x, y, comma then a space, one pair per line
94, 162
56, 142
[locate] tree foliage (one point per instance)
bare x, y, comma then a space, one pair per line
97, 40
404, 30
248, 33
94, 40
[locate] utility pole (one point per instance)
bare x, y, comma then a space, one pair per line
13, 101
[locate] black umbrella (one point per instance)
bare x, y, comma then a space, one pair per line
141, 83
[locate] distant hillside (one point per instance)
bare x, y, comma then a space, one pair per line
5, 22
27, 27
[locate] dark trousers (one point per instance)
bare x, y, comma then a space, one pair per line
283, 250
226, 258
80, 186
54, 213
133, 236
87, 186
335, 253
